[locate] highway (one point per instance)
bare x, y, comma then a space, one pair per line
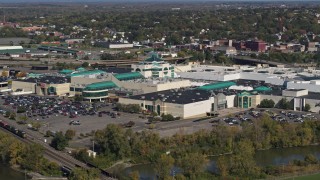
61, 158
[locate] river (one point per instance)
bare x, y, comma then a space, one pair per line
10, 174
263, 158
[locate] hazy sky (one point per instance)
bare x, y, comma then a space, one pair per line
11, 1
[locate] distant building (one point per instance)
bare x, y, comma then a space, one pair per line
154, 67
113, 45
259, 46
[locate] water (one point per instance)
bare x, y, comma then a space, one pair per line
7, 173
263, 158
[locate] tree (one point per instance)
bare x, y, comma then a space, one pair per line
243, 163
265, 103
32, 157
70, 134
310, 159
307, 108
85, 64
181, 54
192, 163
86, 57
163, 165
134, 175
59, 142
83, 174
113, 140
23, 119
284, 104
167, 117
222, 164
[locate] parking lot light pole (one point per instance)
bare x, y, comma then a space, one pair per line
93, 145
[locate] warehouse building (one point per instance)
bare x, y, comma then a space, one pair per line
185, 102
46, 85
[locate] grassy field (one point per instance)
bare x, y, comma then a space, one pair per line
307, 177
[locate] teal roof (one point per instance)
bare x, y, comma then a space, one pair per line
245, 93
262, 88
34, 75
83, 73
153, 57
81, 69
18, 51
100, 86
66, 71
129, 76
216, 86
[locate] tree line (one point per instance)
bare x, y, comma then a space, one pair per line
190, 152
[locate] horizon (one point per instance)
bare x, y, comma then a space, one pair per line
157, 1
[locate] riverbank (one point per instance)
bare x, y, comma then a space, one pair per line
280, 159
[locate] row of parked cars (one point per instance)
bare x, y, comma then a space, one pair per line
35, 106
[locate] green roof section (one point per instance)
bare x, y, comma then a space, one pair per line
153, 57
262, 89
81, 69
20, 51
129, 76
87, 73
245, 93
35, 75
66, 71
216, 86
100, 86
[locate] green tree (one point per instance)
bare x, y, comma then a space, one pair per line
32, 157
265, 103
59, 142
163, 165
85, 64
307, 108
243, 163
113, 140
84, 174
192, 163
70, 134
223, 165
284, 104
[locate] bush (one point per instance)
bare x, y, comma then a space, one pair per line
167, 117
267, 103
131, 108
59, 142
307, 107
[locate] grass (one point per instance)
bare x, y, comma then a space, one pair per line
306, 177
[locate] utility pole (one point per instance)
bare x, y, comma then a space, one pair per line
93, 145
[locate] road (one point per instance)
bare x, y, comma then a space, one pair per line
51, 154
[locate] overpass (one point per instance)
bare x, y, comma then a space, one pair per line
249, 60
58, 49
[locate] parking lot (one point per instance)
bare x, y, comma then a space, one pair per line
55, 114
60, 115
283, 116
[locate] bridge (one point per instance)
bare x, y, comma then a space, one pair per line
248, 60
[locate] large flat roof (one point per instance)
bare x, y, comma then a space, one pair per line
175, 96
47, 80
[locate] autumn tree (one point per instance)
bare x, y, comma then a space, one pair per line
163, 165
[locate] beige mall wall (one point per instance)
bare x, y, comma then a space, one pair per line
61, 89
26, 86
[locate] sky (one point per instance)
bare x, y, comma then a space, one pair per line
46, 1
